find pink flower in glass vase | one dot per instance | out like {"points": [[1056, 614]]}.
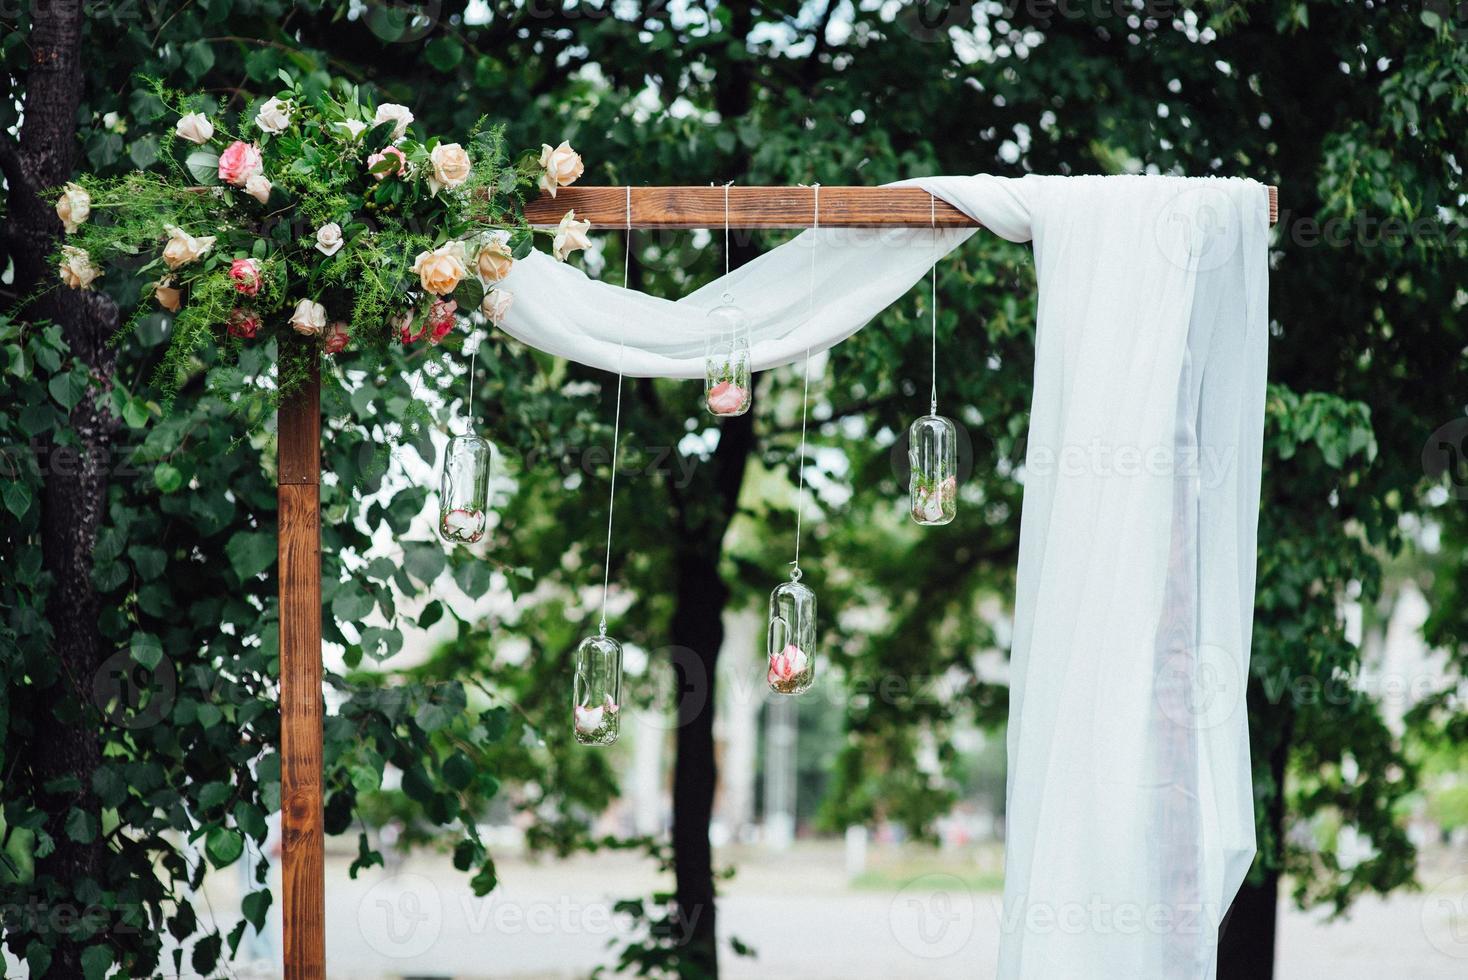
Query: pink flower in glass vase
{"points": [[787, 665], [441, 319], [726, 397], [389, 162], [245, 275], [462, 525], [336, 338], [239, 162], [243, 323], [590, 720]]}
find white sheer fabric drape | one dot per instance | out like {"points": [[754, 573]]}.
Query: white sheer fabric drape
{"points": [[1130, 812]]}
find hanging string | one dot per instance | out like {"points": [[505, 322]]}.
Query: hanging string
{"points": [[606, 575], [726, 227], [933, 217], [469, 396], [810, 308]]}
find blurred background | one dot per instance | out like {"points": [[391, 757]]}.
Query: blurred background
{"points": [[858, 830]]}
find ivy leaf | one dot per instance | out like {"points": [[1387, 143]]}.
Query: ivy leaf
{"points": [[203, 165], [250, 552], [38, 957], [458, 772], [146, 650], [206, 953], [67, 389], [483, 883], [213, 794], [249, 819], [474, 578], [424, 561], [167, 477], [351, 604], [81, 826], [469, 294], [444, 53], [95, 961], [17, 498], [254, 907], [378, 136], [224, 847]]}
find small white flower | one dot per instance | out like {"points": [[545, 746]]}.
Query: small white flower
{"points": [[496, 304], [354, 127], [329, 239], [309, 318], [74, 206], [195, 127], [392, 112], [258, 187], [274, 116]]}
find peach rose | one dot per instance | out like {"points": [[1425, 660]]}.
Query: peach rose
{"points": [[195, 127], [496, 304], [258, 188], [561, 166], [183, 248], [451, 167], [74, 207], [76, 268], [309, 318], [167, 295], [571, 236], [440, 270], [495, 258], [239, 162]]}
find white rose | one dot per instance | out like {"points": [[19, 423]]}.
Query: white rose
{"points": [[354, 127], [74, 207], [570, 236], [195, 127], [441, 270], [392, 112], [451, 167], [496, 304], [76, 268], [274, 116], [258, 188], [495, 258], [183, 248], [309, 318], [329, 239], [561, 166]]}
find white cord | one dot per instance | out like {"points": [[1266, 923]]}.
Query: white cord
{"points": [[469, 399], [810, 308], [616, 425], [726, 227], [933, 397]]}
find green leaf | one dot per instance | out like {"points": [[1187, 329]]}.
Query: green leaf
{"points": [[213, 794], [206, 953], [135, 413], [469, 294], [167, 477], [250, 553], [38, 957], [203, 165], [17, 498], [458, 771], [147, 650], [378, 136], [95, 961], [444, 53], [81, 826], [474, 578], [254, 907], [68, 389], [483, 883], [351, 604], [424, 561], [224, 846]]}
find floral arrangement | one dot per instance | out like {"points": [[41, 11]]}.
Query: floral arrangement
{"points": [[934, 501], [598, 724], [789, 671], [314, 214]]}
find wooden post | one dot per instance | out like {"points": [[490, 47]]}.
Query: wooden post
{"points": [[303, 873]]}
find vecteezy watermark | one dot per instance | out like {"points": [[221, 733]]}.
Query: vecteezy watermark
{"points": [[1446, 454], [633, 461], [401, 916], [1445, 916], [1201, 687], [133, 696], [1100, 916], [680, 685], [1211, 465], [932, 916], [1199, 228]]}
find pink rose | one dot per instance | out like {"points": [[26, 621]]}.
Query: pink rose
{"points": [[726, 398], [406, 334], [397, 162], [441, 319], [337, 338], [243, 323], [239, 162], [787, 665], [246, 276]]}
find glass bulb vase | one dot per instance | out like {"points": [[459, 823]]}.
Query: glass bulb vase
{"points": [[596, 708], [932, 454], [791, 638], [463, 492]]}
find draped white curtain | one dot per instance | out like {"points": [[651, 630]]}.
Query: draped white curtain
{"points": [[1130, 811]]}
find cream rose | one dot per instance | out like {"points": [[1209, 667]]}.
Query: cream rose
{"points": [[571, 236], [183, 248], [195, 127], [398, 114], [562, 165], [259, 187], [450, 167], [167, 294], [74, 207], [354, 127], [495, 258], [76, 268], [329, 239], [274, 116], [496, 304], [440, 270], [309, 318]]}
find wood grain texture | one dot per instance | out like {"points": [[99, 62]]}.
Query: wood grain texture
{"points": [[303, 891], [759, 207]]}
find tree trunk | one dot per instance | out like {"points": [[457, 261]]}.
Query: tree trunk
{"points": [[75, 494], [1247, 941]]}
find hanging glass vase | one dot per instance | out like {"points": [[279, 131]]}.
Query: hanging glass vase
{"points": [[596, 713], [463, 493], [791, 640], [932, 453], [726, 386]]}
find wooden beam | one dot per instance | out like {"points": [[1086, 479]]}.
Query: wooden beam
{"points": [[759, 207], [303, 865]]}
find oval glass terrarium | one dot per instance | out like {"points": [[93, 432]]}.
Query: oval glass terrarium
{"points": [[932, 452], [463, 493], [596, 711], [726, 387], [791, 641]]}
